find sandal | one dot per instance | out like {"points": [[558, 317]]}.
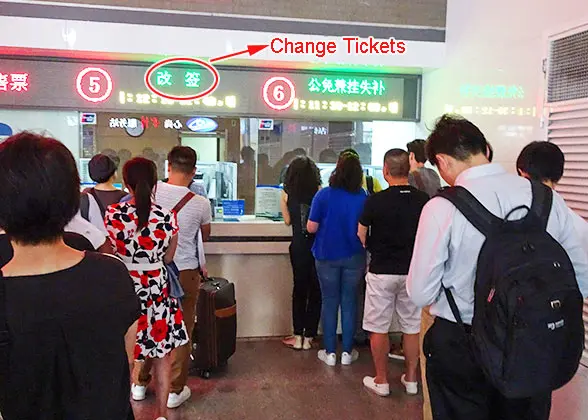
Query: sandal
{"points": [[289, 341]]}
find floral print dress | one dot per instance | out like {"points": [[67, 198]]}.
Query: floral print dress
{"points": [[161, 326]]}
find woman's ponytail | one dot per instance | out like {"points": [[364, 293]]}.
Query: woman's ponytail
{"points": [[143, 193], [140, 175]]}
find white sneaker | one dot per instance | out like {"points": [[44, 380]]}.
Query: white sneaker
{"points": [[138, 392], [412, 388], [347, 359], [175, 400], [160, 418], [297, 342], [329, 358], [383, 390], [307, 343]]}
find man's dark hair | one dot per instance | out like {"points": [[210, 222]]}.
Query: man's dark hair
{"points": [[542, 161], [39, 186], [418, 148], [182, 159], [348, 174], [396, 162], [457, 137], [302, 180], [101, 168]]}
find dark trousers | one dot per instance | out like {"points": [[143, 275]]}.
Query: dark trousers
{"points": [[459, 390], [306, 296]]}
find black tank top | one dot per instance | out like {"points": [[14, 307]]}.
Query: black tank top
{"points": [[299, 212]]}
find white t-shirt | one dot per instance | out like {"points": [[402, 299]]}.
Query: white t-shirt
{"points": [[193, 215], [81, 226]]}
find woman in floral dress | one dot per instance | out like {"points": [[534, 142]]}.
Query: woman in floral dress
{"points": [[144, 236]]}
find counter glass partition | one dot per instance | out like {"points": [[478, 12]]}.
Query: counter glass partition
{"points": [[239, 155]]}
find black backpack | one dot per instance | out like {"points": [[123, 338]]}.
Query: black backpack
{"points": [[527, 332]]}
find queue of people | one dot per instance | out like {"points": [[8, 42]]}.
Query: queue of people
{"points": [[80, 350], [84, 350], [421, 252]]}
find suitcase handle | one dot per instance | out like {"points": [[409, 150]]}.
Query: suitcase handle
{"points": [[212, 281], [226, 312]]}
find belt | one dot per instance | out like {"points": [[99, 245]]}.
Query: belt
{"points": [[144, 266]]}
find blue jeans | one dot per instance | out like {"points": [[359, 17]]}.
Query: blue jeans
{"points": [[339, 280]]}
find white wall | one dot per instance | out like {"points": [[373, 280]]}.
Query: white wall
{"points": [[62, 125], [167, 41], [498, 42], [388, 135]]}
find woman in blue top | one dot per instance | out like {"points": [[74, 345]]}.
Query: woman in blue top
{"points": [[339, 255]]}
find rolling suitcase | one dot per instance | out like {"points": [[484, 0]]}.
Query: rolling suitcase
{"points": [[215, 331]]}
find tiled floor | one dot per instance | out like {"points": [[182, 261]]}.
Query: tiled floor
{"points": [[266, 381]]}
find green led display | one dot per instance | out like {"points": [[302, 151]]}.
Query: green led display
{"points": [[345, 86], [191, 78], [492, 91]]}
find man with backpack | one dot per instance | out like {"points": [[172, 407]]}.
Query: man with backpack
{"points": [[497, 258]]}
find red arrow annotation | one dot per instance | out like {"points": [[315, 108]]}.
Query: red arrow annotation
{"points": [[251, 49]]}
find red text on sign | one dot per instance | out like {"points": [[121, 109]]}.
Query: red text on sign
{"points": [[356, 45], [349, 44], [319, 48]]}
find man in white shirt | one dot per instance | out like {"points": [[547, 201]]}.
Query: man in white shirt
{"points": [[445, 254], [544, 161], [194, 217]]}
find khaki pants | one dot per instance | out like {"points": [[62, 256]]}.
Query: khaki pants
{"points": [[190, 280], [426, 322]]}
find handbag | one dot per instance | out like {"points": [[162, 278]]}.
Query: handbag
{"points": [[173, 273], [173, 279]]}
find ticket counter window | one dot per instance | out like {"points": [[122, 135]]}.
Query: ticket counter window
{"points": [[235, 155]]}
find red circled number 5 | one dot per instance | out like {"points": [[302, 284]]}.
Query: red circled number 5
{"points": [[94, 84]]}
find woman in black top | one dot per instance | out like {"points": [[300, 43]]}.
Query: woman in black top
{"points": [[66, 312], [302, 182]]}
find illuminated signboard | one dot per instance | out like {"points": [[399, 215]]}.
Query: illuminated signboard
{"points": [[261, 93]]}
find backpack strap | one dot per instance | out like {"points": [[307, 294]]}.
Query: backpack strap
{"points": [[471, 208], [100, 205], [542, 202], [454, 308], [369, 181], [189, 195], [85, 206]]}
